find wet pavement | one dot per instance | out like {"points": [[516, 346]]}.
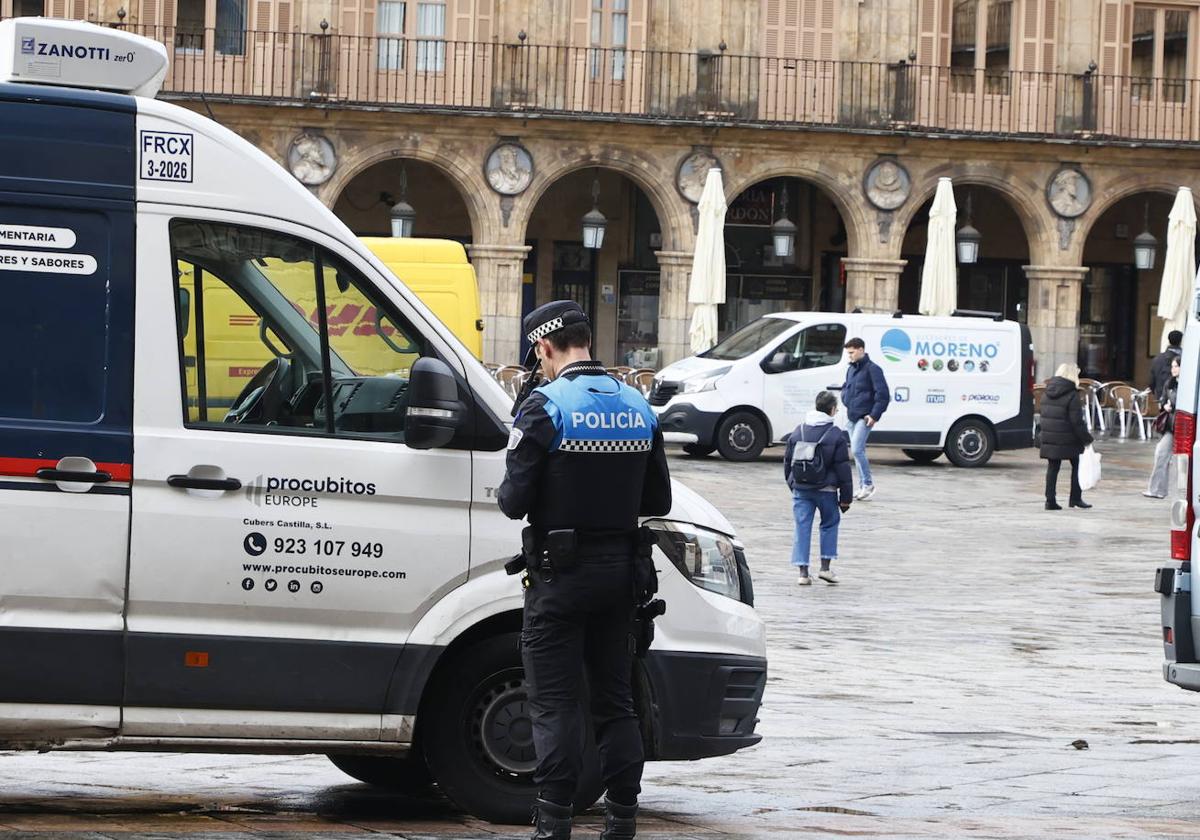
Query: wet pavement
{"points": [[985, 668]]}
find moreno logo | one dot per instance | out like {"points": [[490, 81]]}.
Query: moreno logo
{"points": [[896, 345]]}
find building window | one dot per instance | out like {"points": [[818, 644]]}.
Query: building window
{"points": [[1158, 59], [609, 36], [431, 34], [229, 31], [981, 45], [29, 8], [390, 22]]}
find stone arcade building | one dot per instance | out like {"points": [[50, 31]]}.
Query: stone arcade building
{"points": [[1066, 126]]}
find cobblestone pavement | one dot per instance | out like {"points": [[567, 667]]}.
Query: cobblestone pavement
{"points": [[935, 692]]}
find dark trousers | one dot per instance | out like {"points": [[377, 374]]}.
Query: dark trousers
{"points": [[1052, 467], [583, 620]]}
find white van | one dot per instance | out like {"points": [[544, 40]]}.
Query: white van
{"points": [[317, 568], [962, 385]]}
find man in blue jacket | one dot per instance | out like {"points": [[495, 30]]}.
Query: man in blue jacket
{"points": [[866, 396]]}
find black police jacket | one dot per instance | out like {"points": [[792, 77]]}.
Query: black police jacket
{"points": [[586, 453]]}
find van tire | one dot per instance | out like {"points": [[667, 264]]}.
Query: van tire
{"points": [[741, 436], [923, 456], [970, 443], [405, 774], [698, 450], [486, 679]]}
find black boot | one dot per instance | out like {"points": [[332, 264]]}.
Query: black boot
{"points": [[1079, 503], [551, 822], [1052, 505], [620, 821]]}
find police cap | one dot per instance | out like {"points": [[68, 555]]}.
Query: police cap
{"points": [[552, 317]]}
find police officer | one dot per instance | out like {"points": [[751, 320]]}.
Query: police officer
{"points": [[585, 459]]}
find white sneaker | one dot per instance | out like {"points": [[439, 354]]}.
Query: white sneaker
{"points": [[1150, 495], [865, 492], [828, 576], [804, 580]]}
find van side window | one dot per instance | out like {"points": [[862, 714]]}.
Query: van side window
{"points": [[270, 326], [816, 346]]}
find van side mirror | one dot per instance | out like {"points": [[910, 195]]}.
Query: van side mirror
{"points": [[780, 362], [434, 410]]}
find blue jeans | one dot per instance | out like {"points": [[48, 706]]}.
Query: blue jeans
{"points": [[858, 447], [805, 504]]}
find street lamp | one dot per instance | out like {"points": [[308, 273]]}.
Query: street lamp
{"points": [[967, 239], [402, 214], [1145, 246], [594, 221], [783, 231]]}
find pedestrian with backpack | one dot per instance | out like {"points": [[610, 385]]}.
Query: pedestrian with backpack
{"points": [[816, 465]]}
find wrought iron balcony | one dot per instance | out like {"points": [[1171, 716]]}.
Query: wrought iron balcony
{"points": [[674, 87]]}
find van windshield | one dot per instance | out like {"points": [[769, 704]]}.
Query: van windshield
{"points": [[753, 336]]}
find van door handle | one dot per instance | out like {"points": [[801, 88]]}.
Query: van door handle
{"points": [[188, 482], [52, 474]]}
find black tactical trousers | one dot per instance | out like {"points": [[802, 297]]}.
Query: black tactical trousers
{"points": [[574, 621]]}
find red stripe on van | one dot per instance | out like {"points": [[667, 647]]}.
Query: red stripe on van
{"points": [[28, 467]]}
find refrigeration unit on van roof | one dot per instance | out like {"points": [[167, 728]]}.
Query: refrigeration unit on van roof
{"points": [[70, 53]]}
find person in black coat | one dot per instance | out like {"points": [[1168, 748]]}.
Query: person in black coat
{"points": [[1064, 434], [830, 495], [1160, 368], [1160, 477]]}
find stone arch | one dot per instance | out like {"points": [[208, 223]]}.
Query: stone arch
{"points": [[457, 170], [854, 213], [1112, 195], [1028, 203], [674, 214]]}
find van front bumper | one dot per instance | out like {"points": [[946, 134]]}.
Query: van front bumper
{"points": [[684, 423], [702, 704]]}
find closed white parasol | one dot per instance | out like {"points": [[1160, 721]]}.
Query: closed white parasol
{"points": [[707, 287], [1179, 267], [939, 275]]}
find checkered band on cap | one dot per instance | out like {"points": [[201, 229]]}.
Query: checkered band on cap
{"points": [[606, 446], [545, 329]]}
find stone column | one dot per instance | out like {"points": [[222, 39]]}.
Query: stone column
{"points": [[674, 314], [1054, 293], [499, 269], [872, 285]]}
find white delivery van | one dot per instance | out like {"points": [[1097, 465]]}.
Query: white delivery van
{"points": [[962, 385], [318, 567]]}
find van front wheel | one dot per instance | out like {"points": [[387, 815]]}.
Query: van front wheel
{"points": [[698, 450], [741, 437], [405, 774], [970, 443], [478, 736]]}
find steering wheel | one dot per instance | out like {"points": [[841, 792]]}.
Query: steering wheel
{"points": [[263, 395]]}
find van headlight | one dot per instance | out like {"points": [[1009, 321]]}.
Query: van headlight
{"points": [[706, 381], [707, 558]]}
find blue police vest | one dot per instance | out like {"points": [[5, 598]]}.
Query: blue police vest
{"points": [[595, 413]]}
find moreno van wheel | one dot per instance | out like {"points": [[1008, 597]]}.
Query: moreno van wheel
{"points": [[970, 443], [399, 773], [698, 450], [478, 736], [923, 456], [741, 437]]}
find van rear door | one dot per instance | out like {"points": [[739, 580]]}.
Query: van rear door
{"points": [[67, 245]]}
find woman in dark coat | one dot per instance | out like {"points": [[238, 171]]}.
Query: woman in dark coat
{"points": [[1064, 434]]}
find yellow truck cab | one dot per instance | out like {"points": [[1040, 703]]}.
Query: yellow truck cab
{"points": [[438, 272]]}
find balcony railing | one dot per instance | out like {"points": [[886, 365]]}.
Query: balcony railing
{"points": [[427, 74]]}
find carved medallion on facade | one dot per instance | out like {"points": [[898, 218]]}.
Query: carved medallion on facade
{"points": [[311, 159], [1069, 192], [887, 184], [508, 168], [693, 170]]}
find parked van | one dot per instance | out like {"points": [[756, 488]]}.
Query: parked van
{"points": [[318, 566], [1180, 612], [960, 385]]}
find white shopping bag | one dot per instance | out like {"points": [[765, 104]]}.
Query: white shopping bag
{"points": [[1089, 469]]}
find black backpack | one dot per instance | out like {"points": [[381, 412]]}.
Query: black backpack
{"points": [[808, 461]]}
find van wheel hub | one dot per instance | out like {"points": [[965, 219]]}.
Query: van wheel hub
{"points": [[502, 729], [970, 443], [741, 437]]}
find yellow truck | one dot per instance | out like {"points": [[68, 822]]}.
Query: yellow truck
{"points": [[237, 345]]}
